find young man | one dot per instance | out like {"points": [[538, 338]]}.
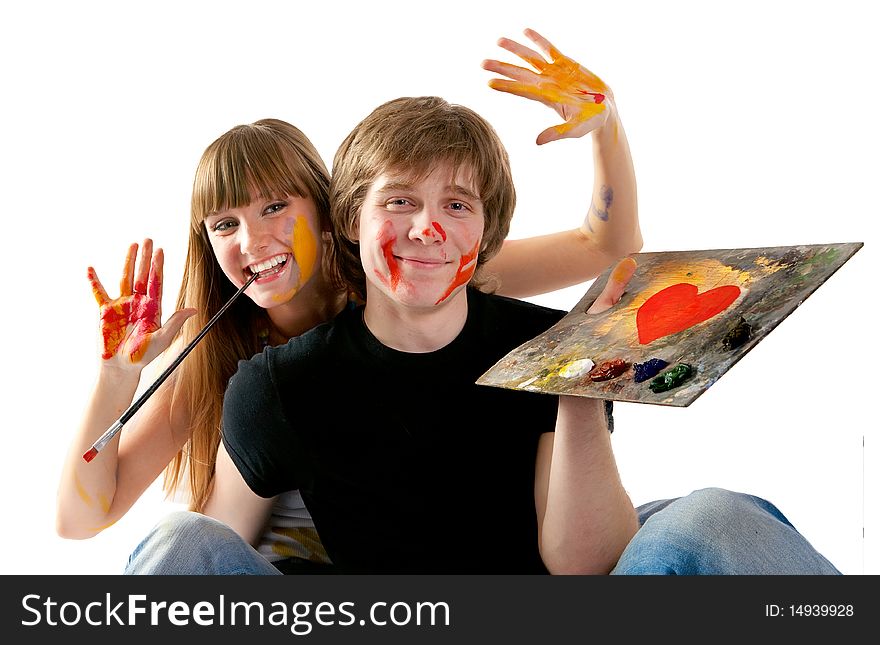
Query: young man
{"points": [[404, 463]]}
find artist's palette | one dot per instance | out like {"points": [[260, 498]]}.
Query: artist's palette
{"points": [[685, 319]]}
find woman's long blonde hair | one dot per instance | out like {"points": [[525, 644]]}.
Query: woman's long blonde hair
{"points": [[265, 158]]}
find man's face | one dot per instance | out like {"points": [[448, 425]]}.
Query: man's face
{"points": [[419, 239]]}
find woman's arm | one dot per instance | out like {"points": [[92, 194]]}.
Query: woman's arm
{"points": [[93, 495], [610, 227]]}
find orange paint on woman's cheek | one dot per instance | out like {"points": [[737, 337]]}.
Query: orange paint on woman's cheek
{"points": [[304, 246], [466, 267]]}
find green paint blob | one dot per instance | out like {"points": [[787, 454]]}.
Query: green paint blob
{"points": [[671, 379]]}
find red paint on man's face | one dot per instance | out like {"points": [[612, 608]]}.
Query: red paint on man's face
{"points": [[387, 238], [430, 232], [466, 267]]}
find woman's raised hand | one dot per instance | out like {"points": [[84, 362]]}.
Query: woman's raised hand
{"points": [[131, 324], [574, 92]]}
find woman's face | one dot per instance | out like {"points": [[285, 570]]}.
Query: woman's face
{"points": [[278, 237]]}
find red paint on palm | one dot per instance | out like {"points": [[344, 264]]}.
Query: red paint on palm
{"points": [[128, 321]]}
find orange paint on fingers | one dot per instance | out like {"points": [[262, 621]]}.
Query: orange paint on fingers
{"points": [[97, 288], [624, 270], [533, 58], [128, 271], [517, 88]]}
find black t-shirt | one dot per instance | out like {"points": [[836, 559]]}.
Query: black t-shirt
{"points": [[403, 462]]}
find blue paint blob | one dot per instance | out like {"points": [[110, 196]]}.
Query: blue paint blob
{"points": [[651, 367]]}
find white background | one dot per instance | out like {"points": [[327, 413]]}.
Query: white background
{"points": [[751, 125]]}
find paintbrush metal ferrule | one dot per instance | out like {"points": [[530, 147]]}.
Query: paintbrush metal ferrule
{"points": [[103, 441], [113, 430]]}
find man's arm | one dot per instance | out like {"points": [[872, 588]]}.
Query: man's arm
{"points": [[585, 517]]}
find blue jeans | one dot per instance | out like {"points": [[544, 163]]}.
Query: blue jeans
{"points": [[714, 531], [709, 532]]}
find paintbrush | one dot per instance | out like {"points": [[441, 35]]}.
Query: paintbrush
{"points": [[105, 438]]}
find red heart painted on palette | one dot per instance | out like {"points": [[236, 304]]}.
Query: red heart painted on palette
{"points": [[679, 307]]}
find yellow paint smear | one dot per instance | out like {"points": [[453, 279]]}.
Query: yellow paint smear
{"points": [[308, 540], [105, 526], [769, 266], [81, 491], [705, 274], [624, 270]]}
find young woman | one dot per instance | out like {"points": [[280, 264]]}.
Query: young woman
{"points": [[260, 204]]}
